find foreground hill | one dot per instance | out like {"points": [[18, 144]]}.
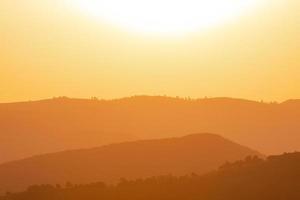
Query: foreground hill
{"points": [[197, 153], [32, 128], [277, 178]]}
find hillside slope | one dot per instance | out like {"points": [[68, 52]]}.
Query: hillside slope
{"points": [[39, 127], [276, 178], [197, 153]]}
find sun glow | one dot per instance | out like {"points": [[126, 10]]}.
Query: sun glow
{"points": [[166, 16]]}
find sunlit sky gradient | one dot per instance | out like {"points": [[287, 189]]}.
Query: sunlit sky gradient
{"points": [[166, 17], [51, 49]]}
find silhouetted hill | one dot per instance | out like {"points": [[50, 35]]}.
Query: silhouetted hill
{"points": [[197, 153], [276, 178], [46, 126]]}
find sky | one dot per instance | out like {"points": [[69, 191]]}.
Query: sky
{"points": [[49, 48]]}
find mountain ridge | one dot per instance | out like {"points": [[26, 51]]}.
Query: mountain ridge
{"points": [[193, 136], [199, 153], [46, 126], [278, 179], [137, 97]]}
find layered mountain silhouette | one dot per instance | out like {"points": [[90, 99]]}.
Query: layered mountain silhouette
{"points": [[198, 153], [46, 126], [276, 178]]}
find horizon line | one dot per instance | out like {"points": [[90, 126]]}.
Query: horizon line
{"points": [[184, 98]]}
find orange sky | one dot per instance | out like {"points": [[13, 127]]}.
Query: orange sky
{"points": [[48, 49]]}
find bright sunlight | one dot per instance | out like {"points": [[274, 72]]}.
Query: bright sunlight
{"points": [[166, 16]]}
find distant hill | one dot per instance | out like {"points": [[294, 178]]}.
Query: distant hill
{"points": [[276, 178], [197, 153], [46, 126]]}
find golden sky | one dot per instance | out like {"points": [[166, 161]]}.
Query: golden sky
{"points": [[51, 49]]}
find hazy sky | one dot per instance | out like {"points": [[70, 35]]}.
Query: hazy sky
{"points": [[50, 49]]}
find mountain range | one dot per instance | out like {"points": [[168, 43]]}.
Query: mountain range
{"points": [[273, 178], [39, 127], [198, 153]]}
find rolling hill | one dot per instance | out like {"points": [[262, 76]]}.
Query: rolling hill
{"points": [[38, 127], [276, 178], [198, 153]]}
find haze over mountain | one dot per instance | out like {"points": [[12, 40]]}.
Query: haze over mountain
{"points": [[46, 126], [70, 128], [198, 153], [276, 178]]}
